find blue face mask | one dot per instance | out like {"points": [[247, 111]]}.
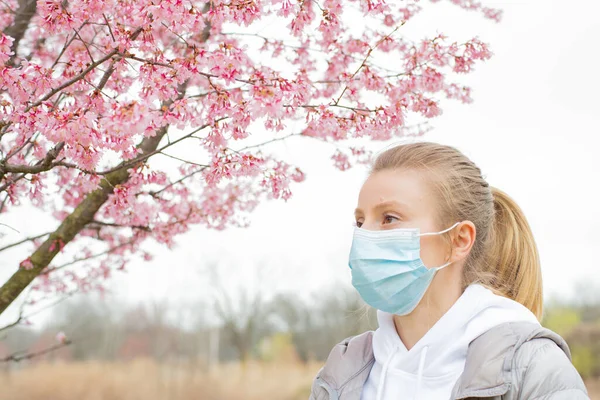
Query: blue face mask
{"points": [[387, 270]]}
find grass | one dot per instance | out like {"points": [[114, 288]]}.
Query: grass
{"points": [[144, 379], [148, 380]]}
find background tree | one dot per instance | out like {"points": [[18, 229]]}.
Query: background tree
{"points": [[317, 325], [241, 309], [97, 97]]}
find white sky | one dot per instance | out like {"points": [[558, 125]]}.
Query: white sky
{"points": [[533, 130]]}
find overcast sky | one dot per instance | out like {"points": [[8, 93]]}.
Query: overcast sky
{"points": [[533, 130]]}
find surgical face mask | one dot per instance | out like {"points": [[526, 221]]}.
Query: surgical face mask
{"points": [[387, 270]]}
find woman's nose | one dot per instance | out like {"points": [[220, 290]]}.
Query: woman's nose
{"points": [[370, 225]]}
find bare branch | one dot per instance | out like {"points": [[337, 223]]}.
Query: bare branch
{"points": [[27, 356], [8, 226], [157, 192], [29, 239], [48, 271], [39, 310], [107, 74], [268, 141], [85, 44], [109, 29], [182, 160], [141, 227], [176, 34], [146, 61]]}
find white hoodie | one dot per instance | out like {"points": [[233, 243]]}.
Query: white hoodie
{"points": [[429, 370]]}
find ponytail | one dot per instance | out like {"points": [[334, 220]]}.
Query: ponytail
{"points": [[513, 256]]}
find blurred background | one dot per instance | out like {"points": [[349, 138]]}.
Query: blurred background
{"points": [[252, 313]]}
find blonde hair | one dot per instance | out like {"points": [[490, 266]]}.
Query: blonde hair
{"points": [[504, 256]]}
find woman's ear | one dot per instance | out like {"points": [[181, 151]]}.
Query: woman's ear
{"points": [[463, 239]]}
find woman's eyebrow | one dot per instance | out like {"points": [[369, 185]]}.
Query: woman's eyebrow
{"points": [[385, 204], [390, 203]]}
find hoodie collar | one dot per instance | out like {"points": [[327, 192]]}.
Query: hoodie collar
{"points": [[437, 339]]}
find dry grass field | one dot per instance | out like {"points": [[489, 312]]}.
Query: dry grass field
{"points": [[144, 379]]}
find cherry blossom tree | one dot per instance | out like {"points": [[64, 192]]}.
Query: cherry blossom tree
{"points": [[95, 93]]}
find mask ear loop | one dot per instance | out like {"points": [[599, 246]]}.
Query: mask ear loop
{"points": [[437, 233], [440, 232]]}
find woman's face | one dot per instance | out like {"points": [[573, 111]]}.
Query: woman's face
{"points": [[391, 199]]}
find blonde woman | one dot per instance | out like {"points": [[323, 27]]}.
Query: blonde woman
{"points": [[452, 268]]}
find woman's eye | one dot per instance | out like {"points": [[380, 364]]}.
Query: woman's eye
{"points": [[389, 219], [358, 224]]}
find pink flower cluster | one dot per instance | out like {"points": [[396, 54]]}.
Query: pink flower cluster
{"points": [[95, 78]]}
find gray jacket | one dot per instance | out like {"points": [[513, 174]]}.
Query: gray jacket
{"points": [[512, 361]]}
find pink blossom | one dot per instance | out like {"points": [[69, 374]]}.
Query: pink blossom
{"points": [[298, 175], [462, 93], [431, 80], [57, 243], [493, 14], [286, 8], [388, 20], [341, 161], [7, 14], [462, 64], [409, 11], [426, 106], [26, 264], [55, 15], [5, 48], [303, 18], [61, 337], [477, 50]]}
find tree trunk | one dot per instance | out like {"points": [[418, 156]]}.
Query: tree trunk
{"points": [[70, 227]]}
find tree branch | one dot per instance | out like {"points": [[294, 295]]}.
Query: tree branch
{"points": [[85, 44], [182, 160], [157, 192], [23, 241], [41, 165], [26, 317], [48, 271], [27, 356], [109, 29], [25, 12]]}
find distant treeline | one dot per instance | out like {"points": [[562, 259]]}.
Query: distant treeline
{"points": [[246, 327]]}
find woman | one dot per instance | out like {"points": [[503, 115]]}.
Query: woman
{"points": [[459, 304]]}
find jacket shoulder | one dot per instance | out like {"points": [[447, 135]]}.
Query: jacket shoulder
{"points": [[513, 360], [346, 369], [544, 370]]}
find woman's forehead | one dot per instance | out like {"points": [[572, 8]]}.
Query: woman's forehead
{"points": [[405, 187]]}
